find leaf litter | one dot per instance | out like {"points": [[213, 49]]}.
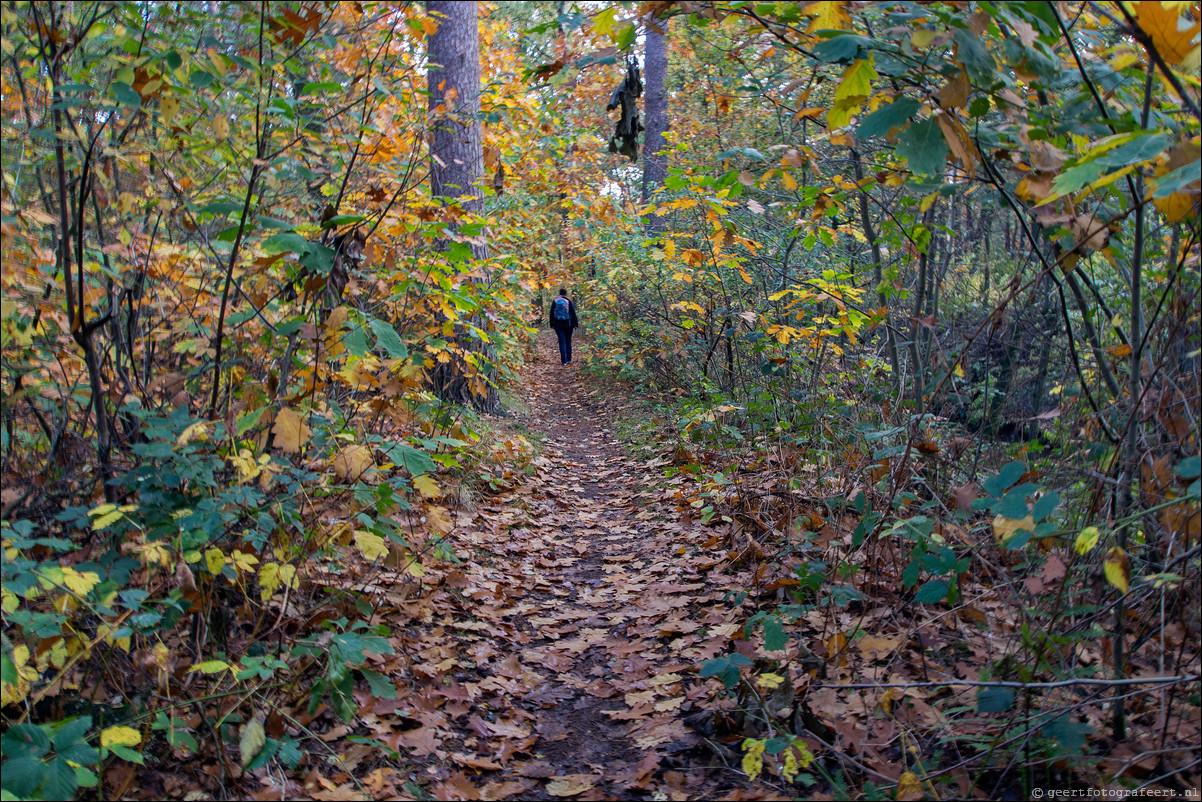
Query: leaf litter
{"points": [[556, 655]]}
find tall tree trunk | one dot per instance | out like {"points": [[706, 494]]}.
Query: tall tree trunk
{"points": [[655, 163], [456, 162]]}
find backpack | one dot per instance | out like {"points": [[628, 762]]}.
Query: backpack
{"points": [[560, 311]]}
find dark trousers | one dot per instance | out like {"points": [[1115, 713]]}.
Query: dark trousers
{"points": [[565, 345]]}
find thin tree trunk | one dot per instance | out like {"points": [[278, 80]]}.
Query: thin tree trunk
{"points": [[655, 163], [877, 274]]}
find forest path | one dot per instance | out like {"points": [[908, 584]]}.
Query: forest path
{"points": [[563, 647]]}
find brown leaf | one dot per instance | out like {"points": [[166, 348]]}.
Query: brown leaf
{"points": [[571, 784], [351, 462], [290, 431], [955, 92]]}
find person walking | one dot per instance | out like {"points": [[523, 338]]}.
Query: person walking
{"points": [[563, 320]]}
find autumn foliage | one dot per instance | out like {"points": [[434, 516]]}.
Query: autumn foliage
{"points": [[881, 477]]}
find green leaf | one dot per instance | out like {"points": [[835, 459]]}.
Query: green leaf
{"points": [[221, 208], [286, 242], [1014, 505], [994, 699], [343, 220], [387, 339], [24, 740], [1045, 505], [21, 776], [289, 753], [126, 753], [932, 591], [625, 37], [844, 47], [70, 731], [1011, 473], [414, 460], [126, 95], [381, 686], [775, 637], [1190, 467], [975, 57], [59, 780], [881, 121], [318, 259], [1068, 733], [923, 147]]}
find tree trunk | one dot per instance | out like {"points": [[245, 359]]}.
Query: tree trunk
{"points": [[456, 162], [877, 275], [655, 163]]}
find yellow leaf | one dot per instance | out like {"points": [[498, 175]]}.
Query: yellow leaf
{"points": [[120, 736], [921, 38], [909, 787], [253, 739], [1087, 539], [426, 485], [244, 562], [1005, 528], [210, 667], [168, 109], [214, 560], [197, 431], [288, 575], [290, 431], [769, 681], [371, 546], [753, 757], [269, 580], [105, 515], [1118, 569], [857, 80], [221, 126], [828, 16], [126, 202], [1163, 24], [80, 583], [603, 23], [352, 462], [788, 180], [429, 26]]}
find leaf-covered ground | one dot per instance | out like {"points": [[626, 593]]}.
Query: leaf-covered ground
{"points": [[557, 657]]}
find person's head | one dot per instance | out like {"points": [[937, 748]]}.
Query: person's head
{"points": [[563, 291]]}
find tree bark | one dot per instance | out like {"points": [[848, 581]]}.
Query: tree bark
{"points": [[655, 162], [456, 162]]}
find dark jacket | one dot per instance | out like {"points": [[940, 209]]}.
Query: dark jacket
{"points": [[560, 324]]}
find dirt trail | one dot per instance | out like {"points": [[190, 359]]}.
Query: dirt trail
{"points": [[561, 651]]}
